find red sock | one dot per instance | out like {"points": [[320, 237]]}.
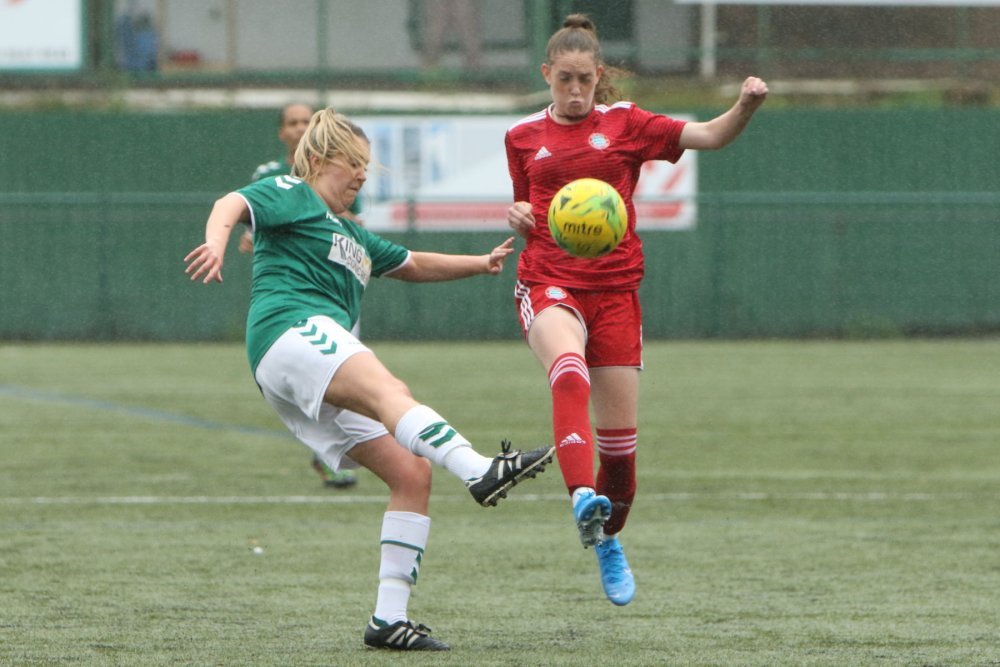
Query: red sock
{"points": [[616, 476], [570, 382]]}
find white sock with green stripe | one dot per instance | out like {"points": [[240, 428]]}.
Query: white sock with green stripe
{"points": [[404, 538], [426, 433]]}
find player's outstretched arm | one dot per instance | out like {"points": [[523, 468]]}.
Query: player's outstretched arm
{"points": [[206, 260], [722, 130], [424, 267]]}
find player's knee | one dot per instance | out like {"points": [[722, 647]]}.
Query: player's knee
{"points": [[411, 481], [403, 389], [418, 481], [393, 388]]}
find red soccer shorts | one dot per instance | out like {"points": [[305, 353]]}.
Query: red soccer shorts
{"points": [[611, 320]]}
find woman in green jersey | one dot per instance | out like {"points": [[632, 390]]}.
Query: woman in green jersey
{"points": [[292, 124], [310, 268]]}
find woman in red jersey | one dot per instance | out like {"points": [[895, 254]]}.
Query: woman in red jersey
{"points": [[591, 347]]}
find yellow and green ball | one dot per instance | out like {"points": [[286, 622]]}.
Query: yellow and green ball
{"points": [[587, 218]]}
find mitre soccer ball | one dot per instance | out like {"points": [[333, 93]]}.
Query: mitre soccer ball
{"points": [[587, 218]]}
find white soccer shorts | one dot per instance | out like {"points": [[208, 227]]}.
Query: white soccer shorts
{"points": [[293, 376]]}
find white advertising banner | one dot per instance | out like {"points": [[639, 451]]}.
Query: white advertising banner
{"points": [[450, 173], [41, 34]]}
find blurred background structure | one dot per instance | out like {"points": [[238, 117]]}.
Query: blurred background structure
{"points": [[863, 200], [381, 43]]}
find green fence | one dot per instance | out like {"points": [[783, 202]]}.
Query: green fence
{"points": [[812, 224]]}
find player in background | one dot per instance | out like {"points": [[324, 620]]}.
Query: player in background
{"points": [[292, 123], [310, 271], [581, 317]]}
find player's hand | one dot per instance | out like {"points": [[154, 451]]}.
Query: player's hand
{"points": [[753, 92], [498, 255], [520, 219], [205, 260], [246, 243]]}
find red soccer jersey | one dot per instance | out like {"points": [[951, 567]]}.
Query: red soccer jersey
{"points": [[611, 144]]}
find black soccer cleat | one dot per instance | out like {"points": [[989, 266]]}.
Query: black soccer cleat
{"points": [[402, 636], [508, 468]]}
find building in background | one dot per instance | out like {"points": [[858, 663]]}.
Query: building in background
{"points": [[381, 42]]}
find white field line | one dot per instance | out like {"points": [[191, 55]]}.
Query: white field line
{"points": [[353, 499]]}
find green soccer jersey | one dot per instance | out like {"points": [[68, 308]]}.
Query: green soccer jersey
{"points": [[280, 167], [306, 261]]}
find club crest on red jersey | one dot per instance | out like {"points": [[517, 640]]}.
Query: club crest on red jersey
{"points": [[555, 293], [599, 141]]}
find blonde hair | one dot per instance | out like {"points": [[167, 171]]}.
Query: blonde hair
{"points": [[580, 34], [330, 135]]}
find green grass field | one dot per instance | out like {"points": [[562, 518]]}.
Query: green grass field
{"points": [[800, 503]]}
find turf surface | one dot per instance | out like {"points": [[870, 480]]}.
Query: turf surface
{"points": [[800, 503]]}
